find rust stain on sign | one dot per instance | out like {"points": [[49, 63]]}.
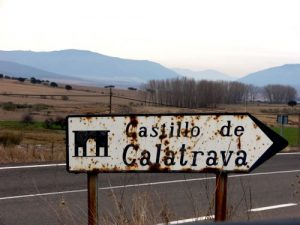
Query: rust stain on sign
{"points": [[166, 143]]}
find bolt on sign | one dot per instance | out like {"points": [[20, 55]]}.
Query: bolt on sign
{"points": [[169, 143]]}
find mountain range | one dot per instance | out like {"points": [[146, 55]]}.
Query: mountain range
{"points": [[288, 74], [204, 74], [90, 68]]}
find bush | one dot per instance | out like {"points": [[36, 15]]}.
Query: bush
{"points": [[61, 121], [49, 123], [58, 123], [27, 118], [292, 103], [21, 79], [39, 107], [53, 84], [11, 138], [33, 80], [64, 97], [9, 106], [68, 87]]}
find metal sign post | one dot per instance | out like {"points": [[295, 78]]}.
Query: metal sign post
{"points": [[92, 184], [219, 143], [221, 197], [282, 119]]}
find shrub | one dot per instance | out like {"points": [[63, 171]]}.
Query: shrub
{"points": [[27, 118], [292, 103], [9, 106], [11, 138], [68, 87], [39, 107], [49, 123], [23, 106], [61, 121], [33, 80], [64, 97], [53, 84], [58, 123], [21, 79]]}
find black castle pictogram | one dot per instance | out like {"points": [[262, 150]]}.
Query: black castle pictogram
{"points": [[100, 137]]}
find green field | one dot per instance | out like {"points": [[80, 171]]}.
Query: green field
{"points": [[21, 125], [291, 134], [17, 125]]}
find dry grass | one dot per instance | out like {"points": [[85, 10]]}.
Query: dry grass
{"points": [[56, 106], [32, 153], [59, 106]]}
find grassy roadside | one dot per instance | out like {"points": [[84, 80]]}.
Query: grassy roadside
{"points": [[291, 134], [35, 141], [30, 142], [21, 125]]}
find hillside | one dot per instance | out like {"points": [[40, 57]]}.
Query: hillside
{"points": [[19, 70], [204, 74], [90, 66], [288, 74]]}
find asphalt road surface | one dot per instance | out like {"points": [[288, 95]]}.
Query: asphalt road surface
{"points": [[47, 194]]}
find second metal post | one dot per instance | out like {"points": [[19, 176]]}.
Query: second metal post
{"points": [[92, 198], [221, 196]]}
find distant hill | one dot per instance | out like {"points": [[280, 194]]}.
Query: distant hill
{"points": [[90, 66], [204, 74], [19, 70], [288, 74]]}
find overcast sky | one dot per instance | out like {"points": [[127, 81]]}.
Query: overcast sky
{"points": [[233, 36]]}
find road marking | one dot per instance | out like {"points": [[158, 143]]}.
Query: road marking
{"points": [[31, 166], [43, 194], [264, 173], [144, 184], [64, 164], [190, 220], [212, 216], [289, 153], [272, 207]]}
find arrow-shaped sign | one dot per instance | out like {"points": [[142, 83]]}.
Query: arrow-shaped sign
{"points": [[169, 143]]}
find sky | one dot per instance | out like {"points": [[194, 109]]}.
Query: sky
{"points": [[236, 37]]}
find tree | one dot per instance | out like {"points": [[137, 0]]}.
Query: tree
{"points": [[68, 87], [27, 118], [33, 80], [187, 92], [53, 84], [292, 103], [132, 89], [277, 93], [21, 79]]}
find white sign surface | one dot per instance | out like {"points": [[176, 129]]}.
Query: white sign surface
{"points": [[166, 143]]}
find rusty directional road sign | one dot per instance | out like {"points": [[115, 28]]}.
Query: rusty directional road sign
{"points": [[236, 142]]}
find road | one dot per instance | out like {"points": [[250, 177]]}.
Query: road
{"points": [[35, 194]]}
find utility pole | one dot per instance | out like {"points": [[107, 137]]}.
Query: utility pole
{"points": [[110, 96]]}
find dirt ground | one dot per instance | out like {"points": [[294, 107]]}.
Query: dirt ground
{"points": [[94, 100]]}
